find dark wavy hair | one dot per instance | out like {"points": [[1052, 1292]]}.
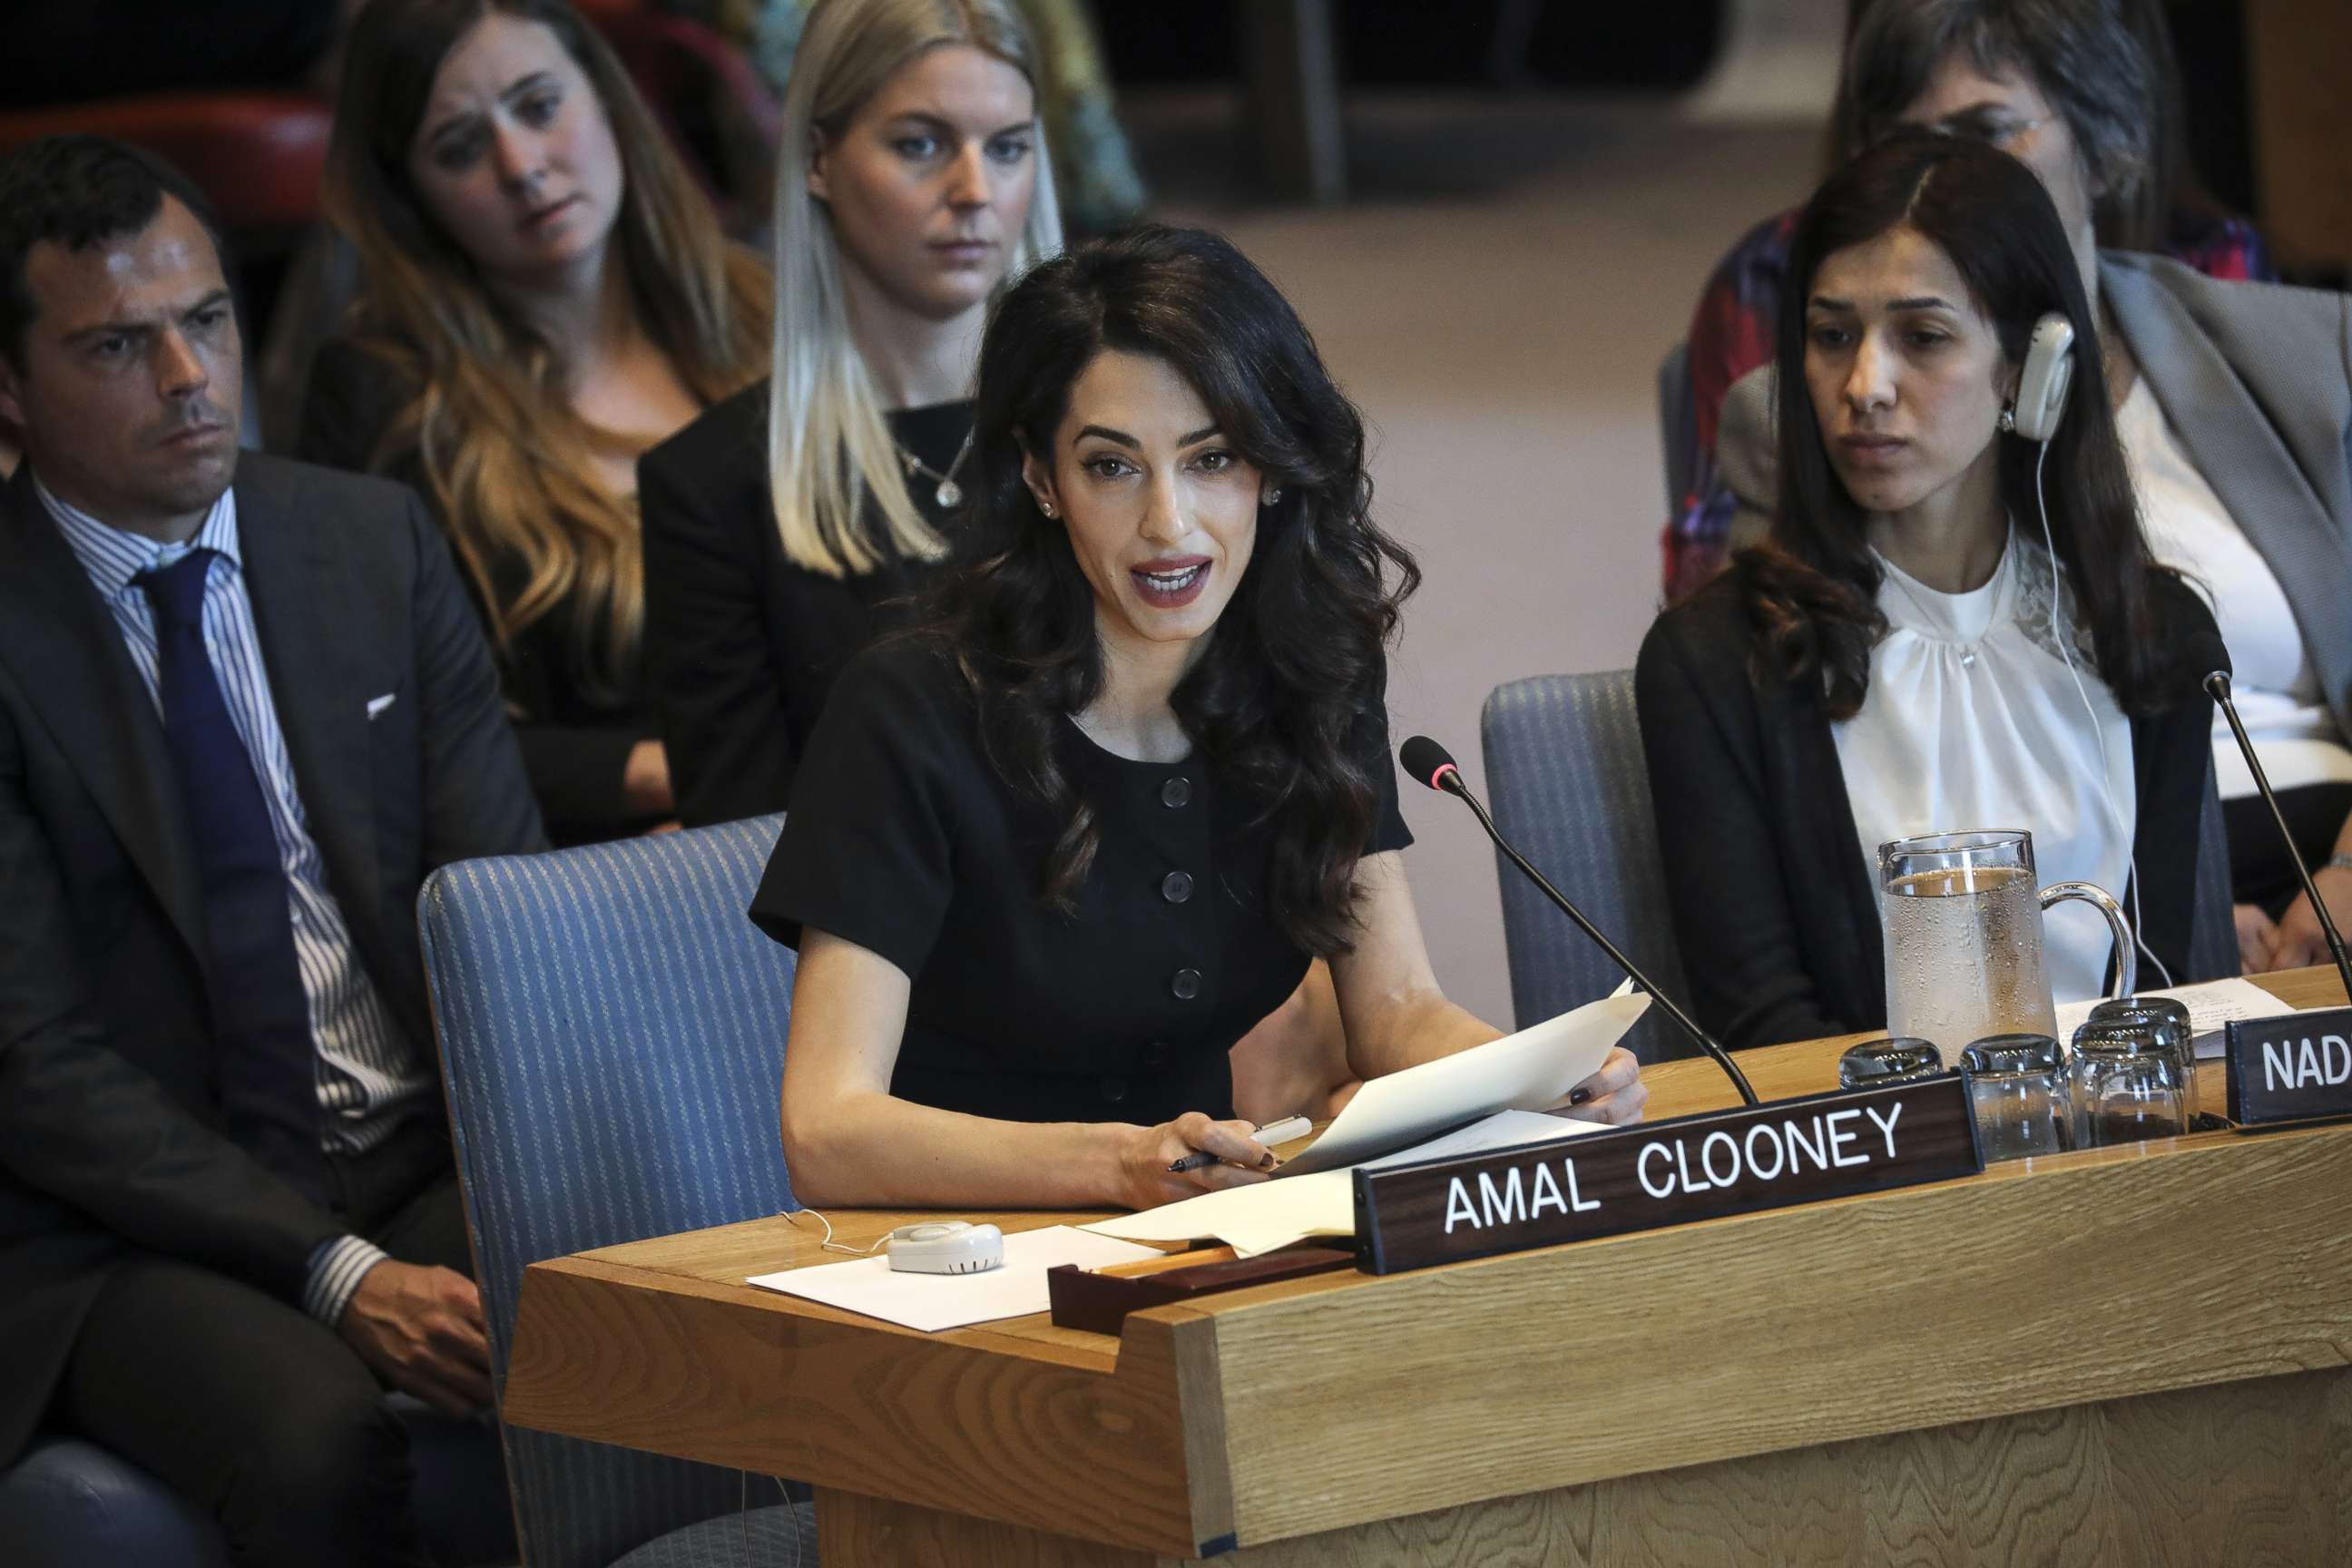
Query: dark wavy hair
{"points": [[1296, 662], [1812, 589]]}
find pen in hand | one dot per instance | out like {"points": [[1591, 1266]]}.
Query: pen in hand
{"points": [[1280, 1130]]}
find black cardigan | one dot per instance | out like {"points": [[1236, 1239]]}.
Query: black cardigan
{"points": [[742, 646], [1776, 913], [575, 744]]}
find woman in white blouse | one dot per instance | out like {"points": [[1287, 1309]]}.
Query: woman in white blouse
{"points": [[1913, 649], [2233, 402]]}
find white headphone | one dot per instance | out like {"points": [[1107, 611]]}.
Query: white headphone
{"points": [[2042, 383]]}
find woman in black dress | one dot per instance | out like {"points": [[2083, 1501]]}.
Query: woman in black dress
{"points": [[783, 526], [1050, 857]]}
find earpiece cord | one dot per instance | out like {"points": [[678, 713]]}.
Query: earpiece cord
{"points": [[792, 1218], [2106, 764]]}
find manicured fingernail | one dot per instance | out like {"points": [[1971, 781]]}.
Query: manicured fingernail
{"points": [[1269, 1162], [1580, 1097]]}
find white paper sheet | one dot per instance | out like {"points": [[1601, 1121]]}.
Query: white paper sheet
{"points": [[1267, 1215], [935, 1301], [1526, 1071], [2211, 1006]]}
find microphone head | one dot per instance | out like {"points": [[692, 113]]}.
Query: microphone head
{"points": [[1426, 762]]}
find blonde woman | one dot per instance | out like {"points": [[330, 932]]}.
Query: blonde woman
{"points": [[546, 294], [781, 525]]}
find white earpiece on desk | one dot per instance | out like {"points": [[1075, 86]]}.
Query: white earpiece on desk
{"points": [[946, 1246]]}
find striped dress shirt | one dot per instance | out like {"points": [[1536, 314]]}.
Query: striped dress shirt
{"points": [[368, 1072]]}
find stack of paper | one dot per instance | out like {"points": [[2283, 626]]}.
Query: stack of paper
{"points": [[1259, 1218], [2211, 1006], [935, 1301], [1481, 1099]]}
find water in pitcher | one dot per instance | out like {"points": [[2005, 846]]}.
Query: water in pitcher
{"points": [[1964, 956]]}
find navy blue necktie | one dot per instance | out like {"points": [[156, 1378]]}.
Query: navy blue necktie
{"points": [[264, 1059]]}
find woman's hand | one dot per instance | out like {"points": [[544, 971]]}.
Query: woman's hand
{"points": [[2300, 939], [1616, 1094], [1146, 1181], [645, 779], [2257, 938]]}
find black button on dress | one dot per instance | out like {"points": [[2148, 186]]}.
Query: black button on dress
{"points": [[904, 839]]}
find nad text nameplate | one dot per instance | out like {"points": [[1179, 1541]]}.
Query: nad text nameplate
{"points": [[2294, 1067]]}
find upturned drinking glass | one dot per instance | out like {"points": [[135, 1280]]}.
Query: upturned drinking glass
{"points": [[2126, 1079], [2169, 1015], [1899, 1060], [2019, 1089]]}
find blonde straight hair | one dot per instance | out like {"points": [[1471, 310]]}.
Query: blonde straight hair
{"points": [[828, 446], [510, 465]]}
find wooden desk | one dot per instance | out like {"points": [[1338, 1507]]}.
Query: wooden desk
{"points": [[2112, 1356]]}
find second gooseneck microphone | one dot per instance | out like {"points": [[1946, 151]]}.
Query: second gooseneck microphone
{"points": [[1429, 763], [2217, 686]]}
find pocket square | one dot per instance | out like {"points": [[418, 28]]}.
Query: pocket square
{"points": [[376, 705]]}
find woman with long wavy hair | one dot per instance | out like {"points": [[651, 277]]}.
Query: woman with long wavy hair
{"points": [[545, 294], [1059, 848], [1920, 646]]}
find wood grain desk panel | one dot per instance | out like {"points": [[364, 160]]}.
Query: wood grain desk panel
{"points": [[2065, 1361]]}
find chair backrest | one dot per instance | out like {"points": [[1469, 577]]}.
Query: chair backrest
{"points": [[1568, 785], [1677, 427], [612, 1031]]}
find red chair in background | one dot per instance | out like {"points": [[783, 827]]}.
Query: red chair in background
{"points": [[258, 156]]}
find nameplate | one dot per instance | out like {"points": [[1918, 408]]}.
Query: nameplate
{"points": [[2294, 1067], [1666, 1172]]}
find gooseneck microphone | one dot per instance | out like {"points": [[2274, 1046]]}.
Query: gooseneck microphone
{"points": [[1429, 763], [2217, 686]]}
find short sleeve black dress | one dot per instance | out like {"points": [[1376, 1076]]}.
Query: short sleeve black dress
{"points": [[903, 838]]}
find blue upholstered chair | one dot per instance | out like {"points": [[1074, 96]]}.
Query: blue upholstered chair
{"points": [[1570, 785], [612, 1031], [70, 1504]]}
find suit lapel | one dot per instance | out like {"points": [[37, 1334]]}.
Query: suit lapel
{"points": [[69, 661], [2236, 447], [298, 596]]}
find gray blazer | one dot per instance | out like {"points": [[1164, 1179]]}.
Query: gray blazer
{"points": [[2256, 379]]}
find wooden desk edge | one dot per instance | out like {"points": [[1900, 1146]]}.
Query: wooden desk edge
{"points": [[1175, 1358]]}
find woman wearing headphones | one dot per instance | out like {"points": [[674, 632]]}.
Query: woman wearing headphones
{"points": [[1916, 646], [2232, 400]]}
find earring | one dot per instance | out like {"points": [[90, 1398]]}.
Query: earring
{"points": [[1271, 497], [2009, 420], [1047, 506]]}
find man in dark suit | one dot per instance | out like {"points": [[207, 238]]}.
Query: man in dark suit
{"points": [[245, 707]]}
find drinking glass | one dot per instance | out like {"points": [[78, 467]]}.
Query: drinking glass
{"points": [[2019, 1091], [1896, 1060], [2126, 1078], [2169, 1016], [1963, 936]]}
